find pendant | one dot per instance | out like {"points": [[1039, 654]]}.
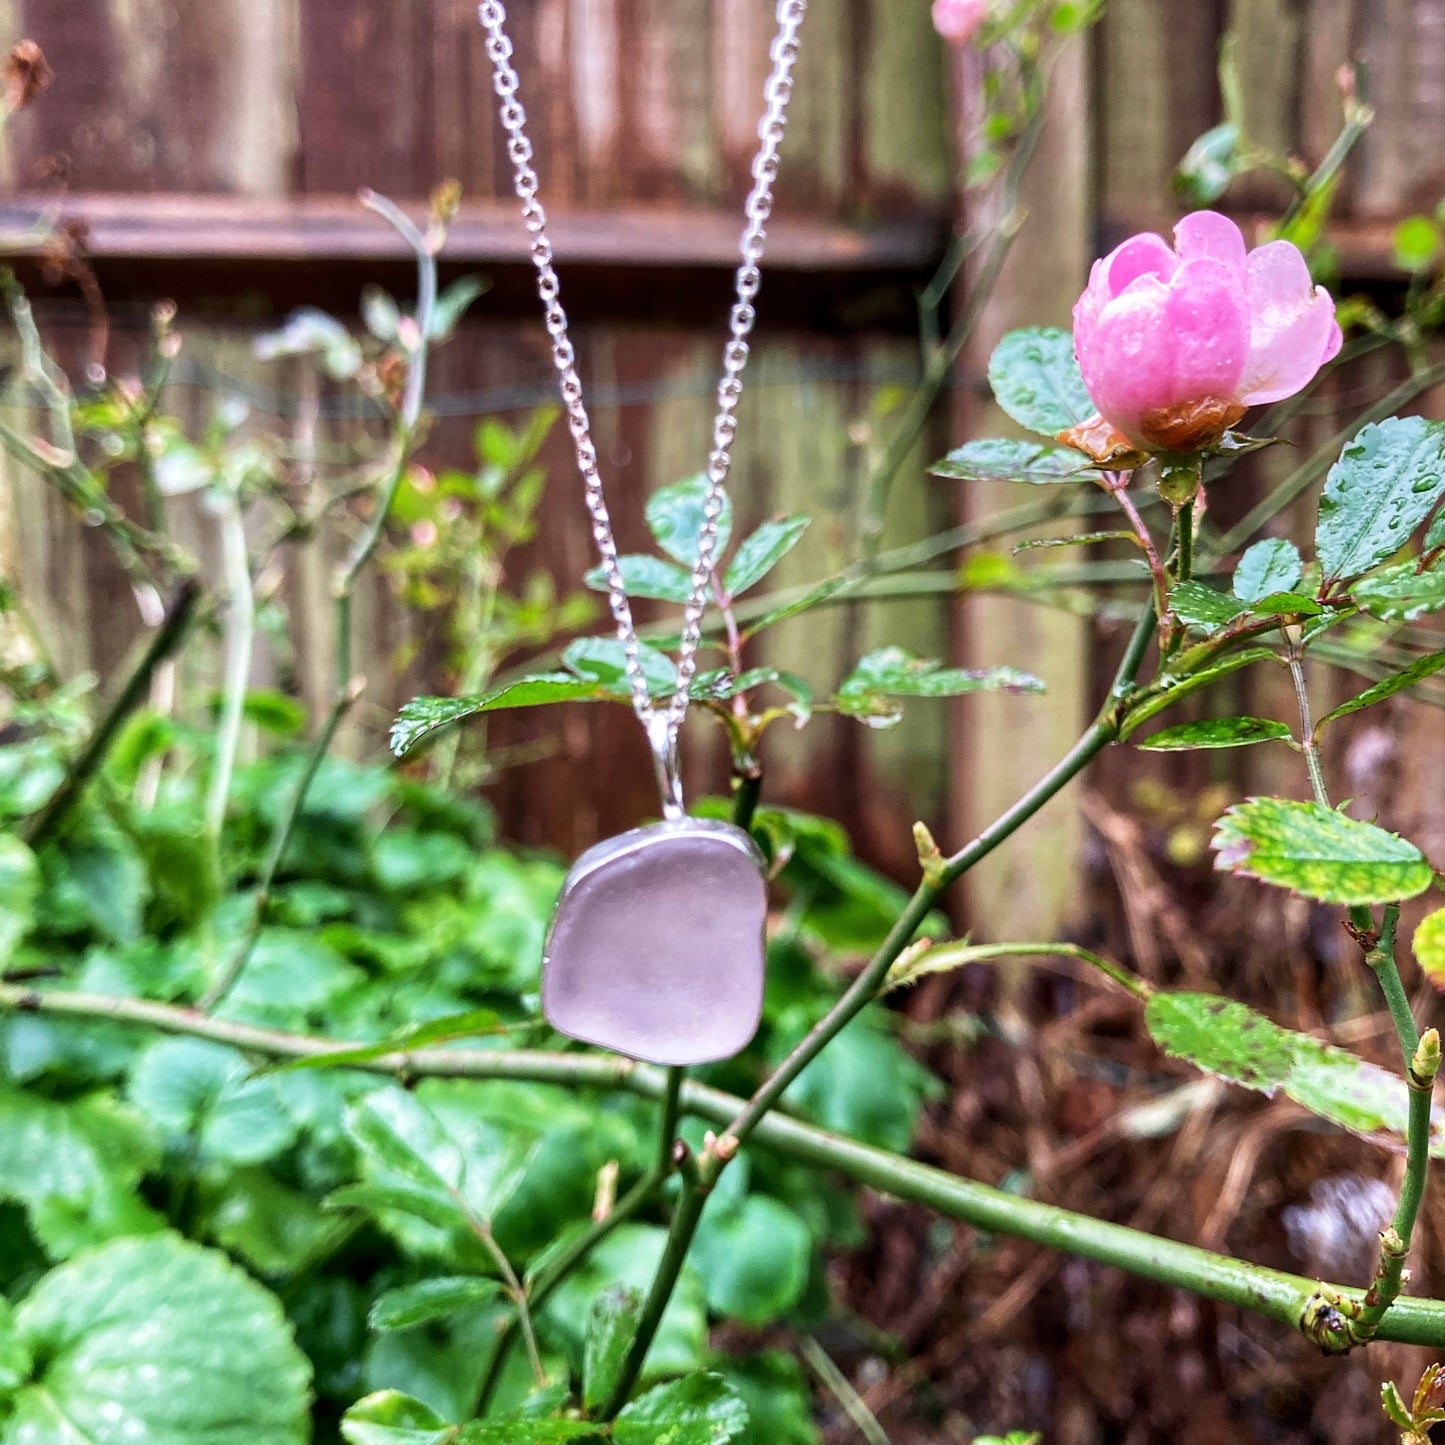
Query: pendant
{"points": [[656, 949]]}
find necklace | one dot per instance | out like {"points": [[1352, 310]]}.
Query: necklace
{"points": [[656, 948]]}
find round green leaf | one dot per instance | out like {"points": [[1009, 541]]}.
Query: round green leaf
{"points": [[602, 660], [1270, 566], [754, 1260], [1318, 852], [19, 888], [1429, 946], [675, 519], [430, 1299], [646, 576], [161, 1341], [1216, 732], [1416, 242], [1036, 380], [390, 1418]]}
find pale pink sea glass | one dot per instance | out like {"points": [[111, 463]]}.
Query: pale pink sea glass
{"points": [[656, 949]]}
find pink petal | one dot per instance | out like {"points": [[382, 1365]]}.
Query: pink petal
{"points": [[1143, 255], [1209, 317], [1128, 366], [1293, 331], [1207, 233]]}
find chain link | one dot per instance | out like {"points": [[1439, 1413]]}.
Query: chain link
{"points": [[777, 92]]}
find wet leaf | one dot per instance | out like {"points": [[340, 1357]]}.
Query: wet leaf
{"points": [[1219, 732], [1270, 566], [430, 1299], [1036, 380], [645, 576], [1386, 482], [675, 519], [1209, 165], [602, 659], [1400, 593], [1387, 687], [1318, 852], [1203, 608], [611, 1327], [390, 1418], [423, 716], [1001, 459], [695, 1410], [1191, 683], [892, 672], [759, 553]]}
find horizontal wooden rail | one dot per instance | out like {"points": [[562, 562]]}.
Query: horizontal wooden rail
{"points": [[320, 228]]}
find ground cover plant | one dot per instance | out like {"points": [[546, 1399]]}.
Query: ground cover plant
{"points": [[277, 1106]]}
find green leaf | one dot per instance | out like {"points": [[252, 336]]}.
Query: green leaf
{"points": [[1400, 593], [695, 1410], [602, 660], [380, 313], [759, 553], [754, 1259], [646, 576], [1429, 947], [813, 597], [1267, 567], [1234, 1042], [1386, 482], [473, 1024], [1036, 380], [675, 519], [1203, 608], [524, 1430], [1317, 852], [892, 672], [1217, 732], [198, 1090], [390, 1418], [1191, 683], [1416, 243], [451, 305], [780, 1405], [158, 1340], [76, 1167], [1285, 604], [717, 684], [253, 1216], [16, 1361], [422, 716], [1387, 687], [1209, 165], [19, 891], [1435, 537], [430, 1299], [611, 1327], [1001, 459]]}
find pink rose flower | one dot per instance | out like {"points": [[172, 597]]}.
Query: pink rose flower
{"points": [[1175, 344], [958, 20]]}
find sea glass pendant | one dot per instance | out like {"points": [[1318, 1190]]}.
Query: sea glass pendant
{"points": [[656, 948]]}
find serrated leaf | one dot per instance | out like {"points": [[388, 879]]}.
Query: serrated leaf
{"points": [[423, 716], [602, 660], [695, 1410], [159, 1340], [1001, 459], [810, 599], [759, 553], [1203, 608], [473, 1024], [893, 672], [1191, 683], [675, 519], [430, 1299], [1036, 380], [717, 684], [1400, 593], [1219, 732], [1270, 566], [1318, 852], [645, 576], [390, 1418], [1285, 604], [1429, 947], [1387, 687], [1386, 482], [611, 1326], [1234, 1042]]}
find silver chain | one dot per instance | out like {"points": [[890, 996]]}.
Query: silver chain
{"points": [[662, 727]]}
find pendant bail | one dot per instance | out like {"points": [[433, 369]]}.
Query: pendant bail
{"points": [[662, 735]]}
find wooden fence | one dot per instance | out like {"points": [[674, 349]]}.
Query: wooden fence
{"points": [[211, 151]]}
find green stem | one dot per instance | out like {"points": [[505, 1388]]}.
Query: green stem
{"points": [[667, 1133], [1267, 1292], [1309, 744], [1184, 535], [947, 956], [685, 1219], [240, 636], [169, 636]]}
